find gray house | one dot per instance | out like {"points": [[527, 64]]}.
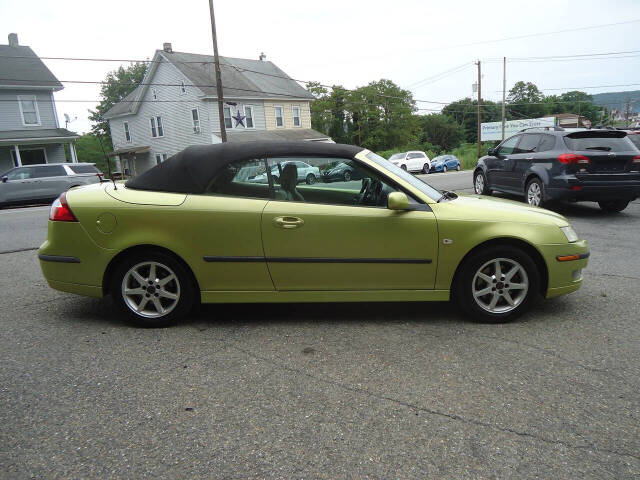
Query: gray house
{"points": [[175, 106], [29, 130]]}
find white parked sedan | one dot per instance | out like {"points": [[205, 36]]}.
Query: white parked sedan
{"points": [[414, 161]]}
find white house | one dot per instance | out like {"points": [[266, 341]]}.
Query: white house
{"points": [[176, 106]]}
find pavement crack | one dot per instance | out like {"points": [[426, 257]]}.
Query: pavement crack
{"points": [[17, 250], [450, 416], [611, 275]]}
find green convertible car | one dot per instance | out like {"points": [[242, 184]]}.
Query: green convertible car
{"points": [[208, 226]]}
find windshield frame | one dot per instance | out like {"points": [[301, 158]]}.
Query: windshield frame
{"points": [[432, 193]]}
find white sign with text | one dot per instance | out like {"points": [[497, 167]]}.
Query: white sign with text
{"points": [[493, 130]]}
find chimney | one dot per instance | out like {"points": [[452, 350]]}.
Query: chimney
{"points": [[13, 40], [166, 46], [263, 57]]}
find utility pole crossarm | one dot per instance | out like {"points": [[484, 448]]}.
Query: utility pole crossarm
{"points": [[216, 61]]}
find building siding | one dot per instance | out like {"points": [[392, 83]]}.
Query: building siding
{"points": [[258, 114], [10, 117], [287, 106]]}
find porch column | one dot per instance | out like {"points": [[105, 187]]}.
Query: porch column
{"points": [[17, 151], [72, 151]]}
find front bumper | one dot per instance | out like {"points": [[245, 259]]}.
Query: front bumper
{"points": [[565, 263]]}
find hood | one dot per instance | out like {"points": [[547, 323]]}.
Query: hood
{"points": [[479, 207]]}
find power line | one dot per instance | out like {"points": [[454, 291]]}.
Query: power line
{"points": [[440, 76]]}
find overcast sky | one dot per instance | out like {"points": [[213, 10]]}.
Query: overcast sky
{"points": [[340, 42]]}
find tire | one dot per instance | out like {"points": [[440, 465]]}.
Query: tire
{"points": [[404, 167], [347, 176], [444, 169], [613, 206], [479, 274], [311, 179], [133, 273], [426, 168], [458, 167], [480, 184], [534, 193]]}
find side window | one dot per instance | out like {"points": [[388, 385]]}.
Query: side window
{"points": [[20, 174], [528, 144], [246, 178], [414, 155], [548, 142], [333, 181], [509, 145], [49, 171]]}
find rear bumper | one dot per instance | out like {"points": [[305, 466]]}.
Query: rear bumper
{"points": [[595, 188]]}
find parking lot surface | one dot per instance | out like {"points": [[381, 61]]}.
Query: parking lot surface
{"points": [[324, 391]]}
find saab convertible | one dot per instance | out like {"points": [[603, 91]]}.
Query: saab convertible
{"points": [[209, 226]]}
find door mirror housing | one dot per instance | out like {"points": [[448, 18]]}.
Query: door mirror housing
{"points": [[398, 201], [492, 152]]}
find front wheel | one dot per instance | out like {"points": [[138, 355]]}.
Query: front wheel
{"points": [[311, 179], [480, 184], [153, 289], [458, 167], [347, 176], [613, 206], [444, 169], [497, 285]]}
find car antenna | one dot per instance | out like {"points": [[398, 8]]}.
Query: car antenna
{"points": [[107, 160]]}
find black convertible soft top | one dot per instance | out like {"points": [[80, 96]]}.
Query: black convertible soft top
{"points": [[192, 169]]}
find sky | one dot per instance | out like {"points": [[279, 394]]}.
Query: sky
{"points": [[350, 43]]}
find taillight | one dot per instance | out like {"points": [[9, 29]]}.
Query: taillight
{"points": [[100, 175], [636, 159], [572, 158], [60, 211]]}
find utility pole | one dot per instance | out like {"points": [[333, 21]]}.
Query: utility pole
{"points": [[216, 60], [504, 88], [479, 114]]}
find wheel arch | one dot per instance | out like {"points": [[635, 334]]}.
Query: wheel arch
{"points": [[539, 173], [533, 252], [106, 278]]}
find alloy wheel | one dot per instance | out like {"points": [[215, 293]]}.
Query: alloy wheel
{"points": [[150, 289], [479, 184], [500, 285], [534, 194]]}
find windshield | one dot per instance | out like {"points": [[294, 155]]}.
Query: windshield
{"points": [[599, 142], [397, 156], [425, 188]]}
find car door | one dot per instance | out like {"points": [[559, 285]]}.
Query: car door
{"points": [[52, 180], [20, 185], [518, 162], [328, 239], [497, 167]]}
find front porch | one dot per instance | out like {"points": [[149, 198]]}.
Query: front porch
{"points": [[29, 147]]}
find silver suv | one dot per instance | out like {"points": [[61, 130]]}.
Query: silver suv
{"points": [[45, 181]]}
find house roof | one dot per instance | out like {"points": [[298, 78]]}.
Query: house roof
{"points": [[241, 79], [284, 134], [17, 136], [21, 67]]}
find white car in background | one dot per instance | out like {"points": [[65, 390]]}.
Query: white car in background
{"points": [[414, 161]]}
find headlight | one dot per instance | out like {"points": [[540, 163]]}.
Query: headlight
{"points": [[570, 233]]}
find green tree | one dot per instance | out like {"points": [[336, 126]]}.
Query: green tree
{"points": [[89, 150], [574, 102], [117, 85], [525, 100], [440, 130], [465, 113]]}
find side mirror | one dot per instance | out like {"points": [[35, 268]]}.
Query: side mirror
{"points": [[4, 179], [491, 152], [397, 201]]}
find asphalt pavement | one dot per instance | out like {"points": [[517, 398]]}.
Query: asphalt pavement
{"points": [[324, 390]]}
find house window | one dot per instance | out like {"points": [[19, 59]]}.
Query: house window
{"points": [[127, 133], [279, 119], [29, 109], [248, 113], [227, 117], [296, 116], [183, 88], [161, 157], [195, 117], [154, 93], [157, 129]]}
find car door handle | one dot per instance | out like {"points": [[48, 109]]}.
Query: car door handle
{"points": [[287, 222]]}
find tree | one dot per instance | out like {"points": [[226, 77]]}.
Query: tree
{"points": [[118, 84], [89, 150], [440, 130], [525, 100], [465, 113]]}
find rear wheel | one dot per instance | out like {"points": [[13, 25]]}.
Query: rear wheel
{"points": [[404, 167], [613, 206], [444, 169], [311, 179], [425, 168], [534, 193], [153, 289], [480, 184], [497, 285]]}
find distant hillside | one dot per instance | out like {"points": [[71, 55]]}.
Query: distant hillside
{"points": [[616, 99]]}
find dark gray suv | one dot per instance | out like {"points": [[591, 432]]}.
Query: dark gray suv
{"points": [[45, 182], [555, 164]]}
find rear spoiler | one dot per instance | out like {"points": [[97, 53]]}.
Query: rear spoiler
{"points": [[597, 134]]}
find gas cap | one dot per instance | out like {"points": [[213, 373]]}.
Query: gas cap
{"points": [[106, 222]]}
